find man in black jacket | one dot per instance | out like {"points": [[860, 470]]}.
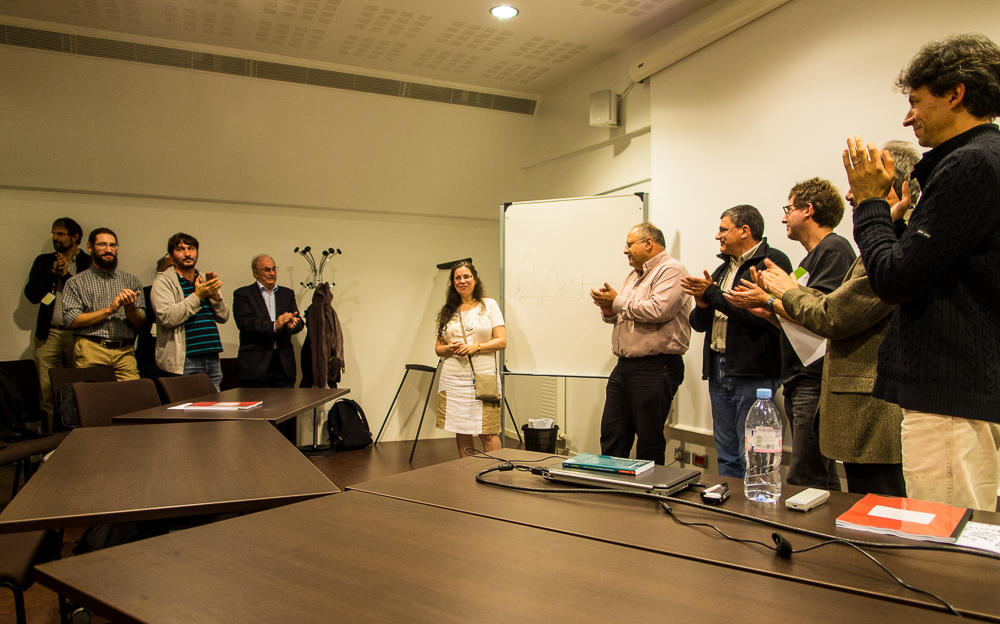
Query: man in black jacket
{"points": [[741, 351], [939, 360], [267, 316], [49, 272]]}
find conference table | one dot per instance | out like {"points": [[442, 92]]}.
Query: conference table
{"points": [[970, 583], [138, 472], [358, 557], [279, 405]]}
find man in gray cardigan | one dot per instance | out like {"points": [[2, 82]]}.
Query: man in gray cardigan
{"points": [[188, 306], [855, 427]]}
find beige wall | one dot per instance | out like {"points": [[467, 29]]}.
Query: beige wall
{"points": [[252, 166]]}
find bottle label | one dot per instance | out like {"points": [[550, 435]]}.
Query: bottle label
{"points": [[762, 440]]}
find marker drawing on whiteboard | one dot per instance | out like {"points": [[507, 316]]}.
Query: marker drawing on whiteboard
{"points": [[551, 286]]}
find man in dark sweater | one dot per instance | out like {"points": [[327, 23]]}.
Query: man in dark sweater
{"points": [[741, 351], [49, 273], [814, 208], [940, 360]]}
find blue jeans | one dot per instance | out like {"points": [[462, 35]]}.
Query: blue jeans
{"points": [[640, 391], [732, 398], [207, 363]]}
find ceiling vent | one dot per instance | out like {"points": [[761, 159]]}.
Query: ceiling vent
{"points": [[265, 70]]}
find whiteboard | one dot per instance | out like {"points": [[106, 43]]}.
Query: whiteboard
{"points": [[553, 253]]}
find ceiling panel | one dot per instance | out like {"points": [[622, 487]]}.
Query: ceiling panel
{"points": [[448, 41]]}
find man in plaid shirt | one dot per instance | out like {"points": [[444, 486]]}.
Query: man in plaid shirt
{"points": [[103, 306]]}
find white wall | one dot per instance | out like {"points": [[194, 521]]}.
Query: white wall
{"points": [[740, 121], [773, 103], [251, 166]]}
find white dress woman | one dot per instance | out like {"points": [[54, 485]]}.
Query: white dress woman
{"points": [[473, 327]]}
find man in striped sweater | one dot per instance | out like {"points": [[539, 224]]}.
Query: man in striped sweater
{"points": [[940, 360], [188, 306]]}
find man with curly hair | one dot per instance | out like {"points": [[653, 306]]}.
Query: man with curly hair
{"points": [[940, 360]]}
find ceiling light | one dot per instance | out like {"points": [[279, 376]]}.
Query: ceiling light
{"points": [[504, 11]]}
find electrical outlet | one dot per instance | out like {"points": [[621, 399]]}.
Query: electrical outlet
{"points": [[679, 454], [700, 460]]}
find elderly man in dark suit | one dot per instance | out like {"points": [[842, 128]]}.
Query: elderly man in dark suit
{"points": [[267, 317]]}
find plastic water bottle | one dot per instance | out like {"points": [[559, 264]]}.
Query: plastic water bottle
{"points": [[762, 441]]}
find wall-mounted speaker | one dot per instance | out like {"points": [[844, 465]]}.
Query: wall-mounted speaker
{"points": [[604, 109]]}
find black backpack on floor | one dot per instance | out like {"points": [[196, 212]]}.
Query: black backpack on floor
{"points": [[348, 426]]}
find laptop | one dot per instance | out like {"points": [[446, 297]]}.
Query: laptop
{"points": [[661, 480]]}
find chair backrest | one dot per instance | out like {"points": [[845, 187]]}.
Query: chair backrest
{"points": [[25, 374], [62, 376], [98, 402], [230, 377], [187, 387]]}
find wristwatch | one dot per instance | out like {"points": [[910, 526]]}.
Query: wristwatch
{"points": [[769, 304]]}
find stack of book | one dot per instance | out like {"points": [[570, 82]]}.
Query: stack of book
{"points": [[906, 517], [606, 463]]}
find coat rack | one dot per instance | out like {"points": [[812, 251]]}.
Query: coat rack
{"points": [[316, 274]]}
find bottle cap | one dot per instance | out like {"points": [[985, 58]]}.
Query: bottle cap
{"points": [[763, 393]]}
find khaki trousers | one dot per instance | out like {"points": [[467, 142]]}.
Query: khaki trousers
{"points": [[89, 353], [951, 460], [54, 352]]}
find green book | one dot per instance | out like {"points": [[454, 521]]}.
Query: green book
{"points": [[606, 463]]}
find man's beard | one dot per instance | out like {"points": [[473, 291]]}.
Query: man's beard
{"points": [[59, 247], [105, 265]]}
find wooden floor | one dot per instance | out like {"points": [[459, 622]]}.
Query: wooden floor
{"points": [[343, 469]]}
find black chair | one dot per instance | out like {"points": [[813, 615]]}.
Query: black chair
{"points": [[21, 443], [25, 374], [59, 377], [20, 454], [230, 376], [97, 403], [19, 553], [177, 389]]}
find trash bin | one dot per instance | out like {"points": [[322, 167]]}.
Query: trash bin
{"points": [[541, 440]]}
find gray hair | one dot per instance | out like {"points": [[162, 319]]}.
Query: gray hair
{"points": [[906, 156], [253, 263], [648, 230], [747, 215]]}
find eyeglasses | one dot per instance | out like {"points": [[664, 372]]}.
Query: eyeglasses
{"points": [[723, 230], [105, 245], [788, 208], [628, 245], [268, 270]]}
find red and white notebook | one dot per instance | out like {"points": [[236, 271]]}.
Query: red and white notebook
{"points": [[219, 405], [906, 517]]}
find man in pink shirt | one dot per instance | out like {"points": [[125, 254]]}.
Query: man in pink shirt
{"points": [[651, 335]]}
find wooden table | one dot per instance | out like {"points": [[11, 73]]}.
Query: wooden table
{"points": [[280, 404], [969, 583], [140, 472], [356, 557]]}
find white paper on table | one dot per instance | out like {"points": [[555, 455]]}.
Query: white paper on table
{"points": [[904, 515], [981, 536], [808, 346]]}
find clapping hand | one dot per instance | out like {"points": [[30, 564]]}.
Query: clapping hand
{"points": [[869, 171], [126, 298], [207, 286], [748, 294], [290, 320], [696, 286], [604, 298], [775, 280]]}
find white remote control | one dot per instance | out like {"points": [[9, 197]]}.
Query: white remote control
{"points": [[807, 499]]}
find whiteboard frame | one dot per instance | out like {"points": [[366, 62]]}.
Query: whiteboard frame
{"points": [[643, 196]]}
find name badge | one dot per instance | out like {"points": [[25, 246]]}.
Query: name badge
{"points": [[48, 299]]}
